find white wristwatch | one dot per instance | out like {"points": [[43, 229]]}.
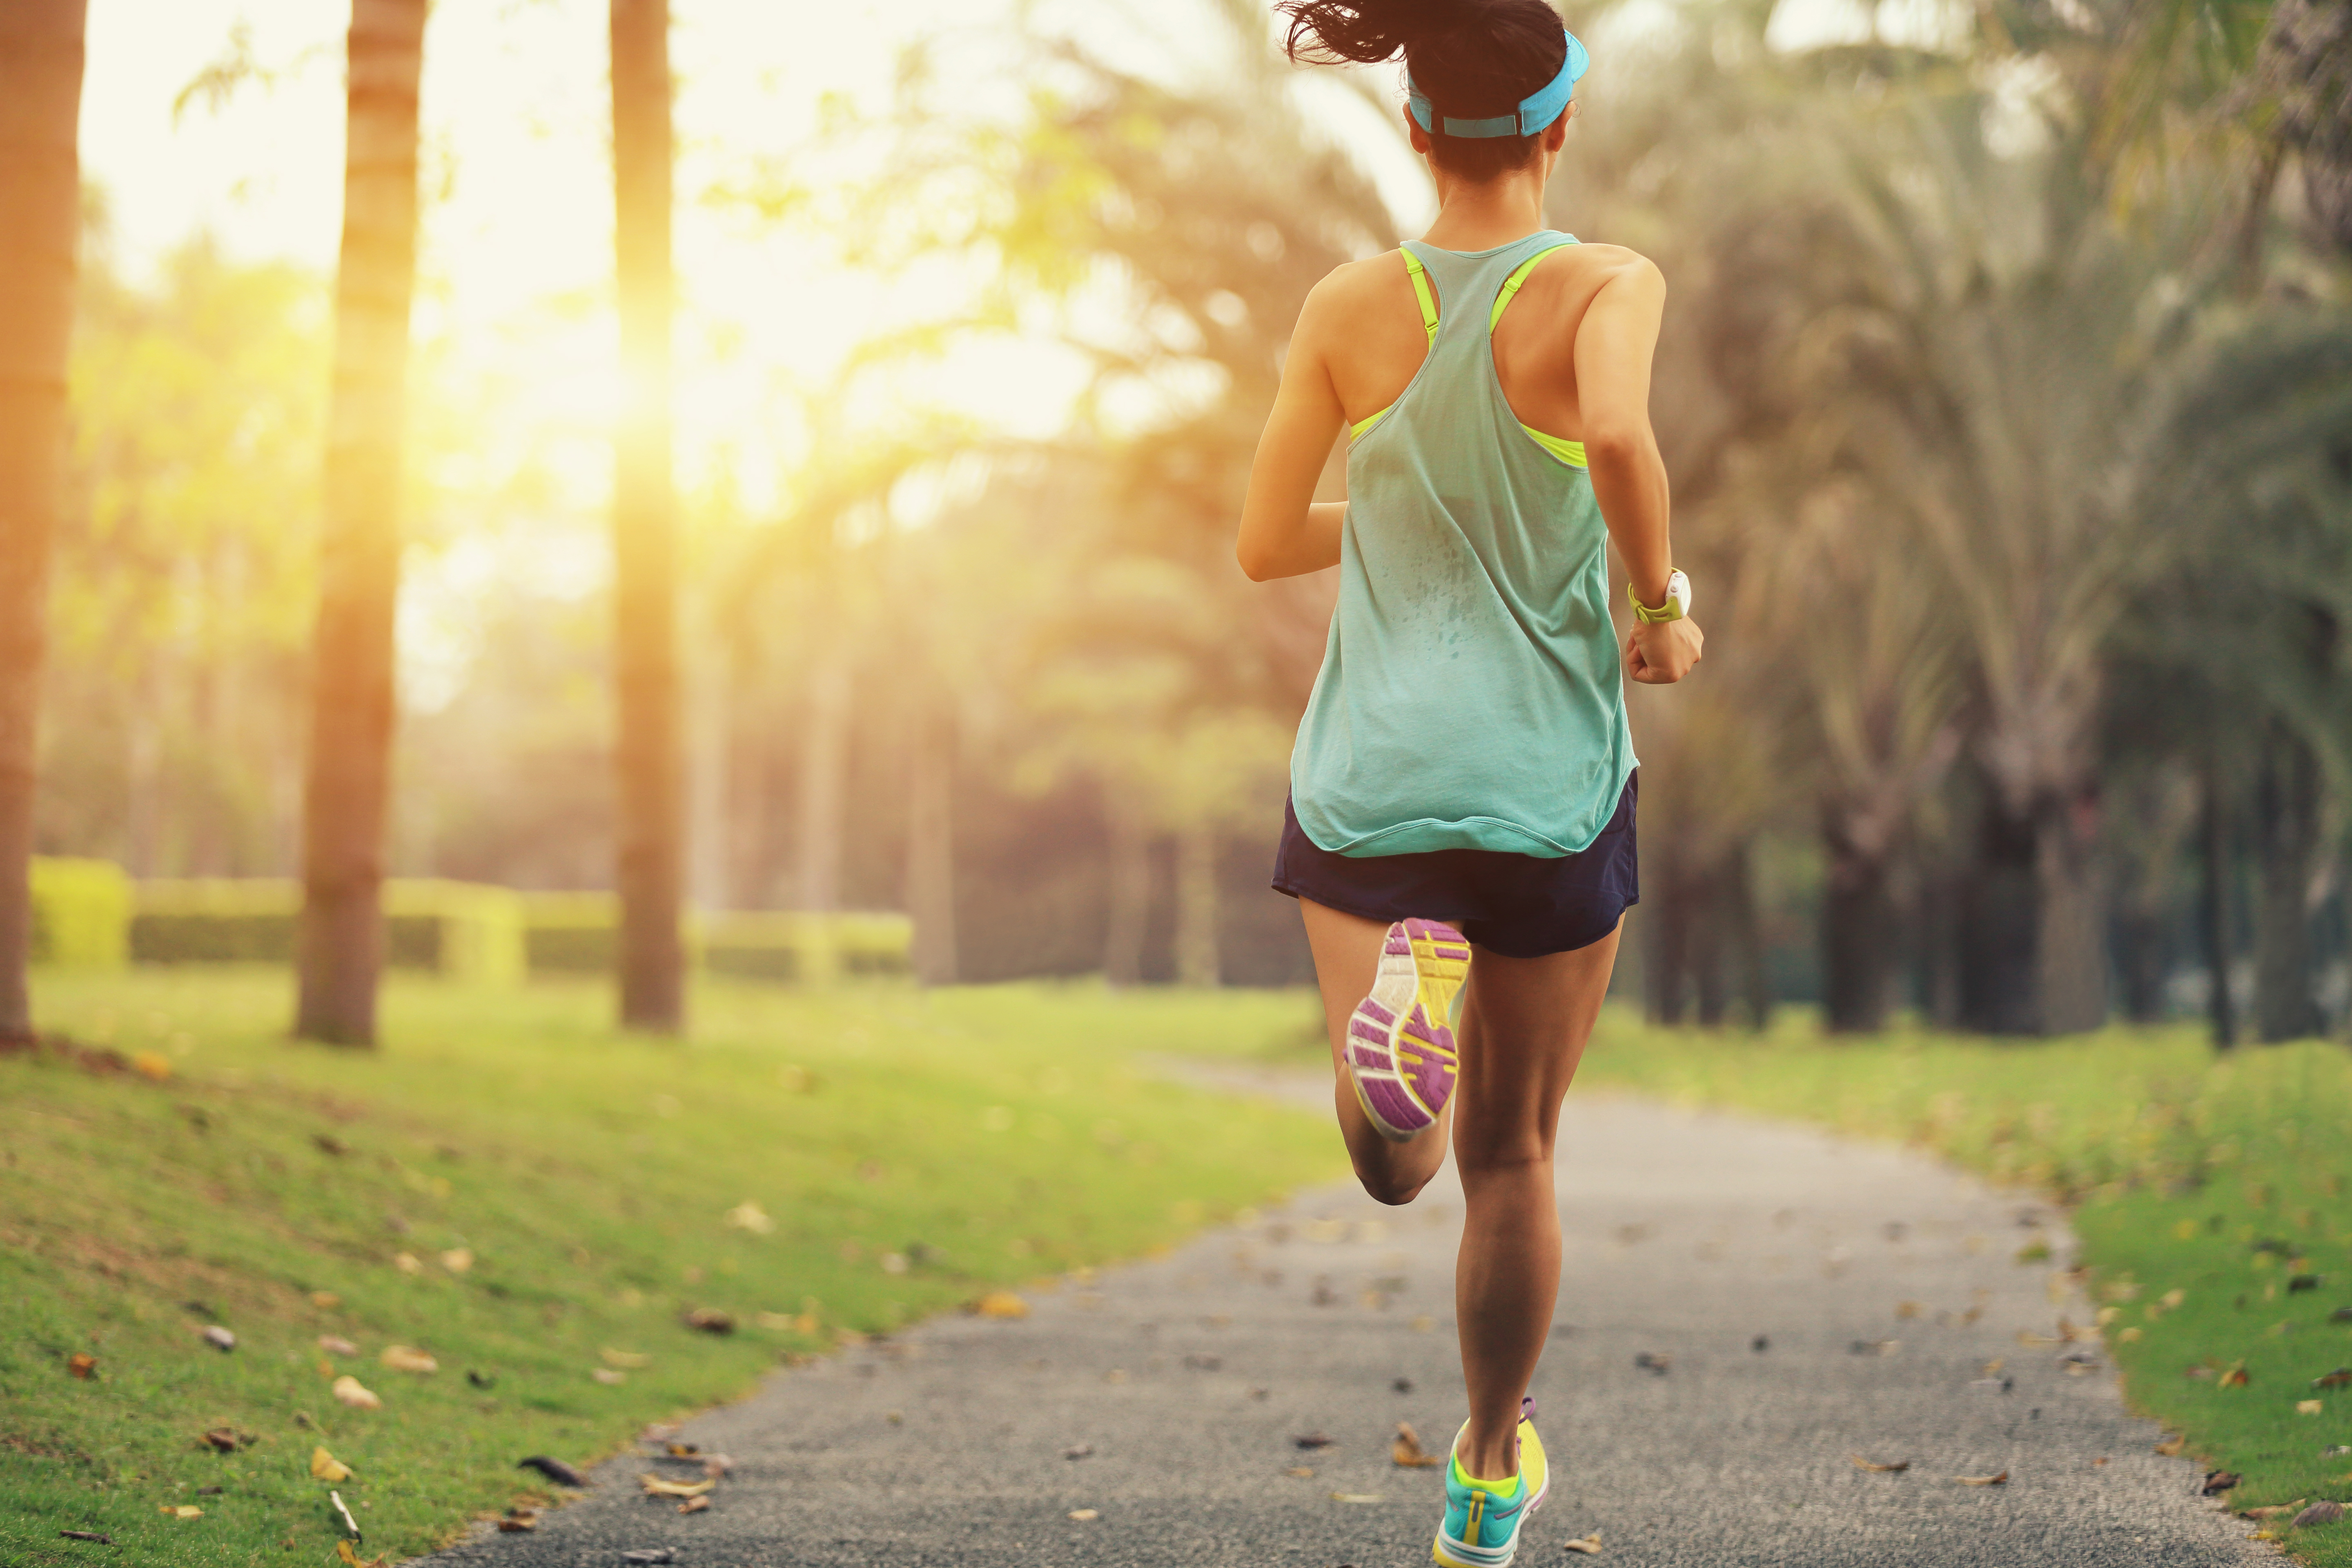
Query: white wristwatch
{"points": [[1677, 605]]}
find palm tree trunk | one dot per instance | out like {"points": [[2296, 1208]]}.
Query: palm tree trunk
{"points": [[1999, 929], [1857, 936], [347, 785], [2071, 956], [648, 758], [1126, 915], [824, 783], [1197, 960], [931, 844], [40, 213], [2213, 906], [2288, 830]]}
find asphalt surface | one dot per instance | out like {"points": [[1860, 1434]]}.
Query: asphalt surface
{"points": [[1811, 1300]]}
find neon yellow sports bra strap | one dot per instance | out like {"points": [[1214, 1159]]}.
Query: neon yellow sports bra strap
{"points": [[1517, 277], [1421, 292]]}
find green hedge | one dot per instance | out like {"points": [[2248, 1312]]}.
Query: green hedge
{"points": [[459, 929], [577, 933], [88, 911], [81, 912]]}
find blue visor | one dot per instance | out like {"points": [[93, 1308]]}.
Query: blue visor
{"points": [[1537, 110]]}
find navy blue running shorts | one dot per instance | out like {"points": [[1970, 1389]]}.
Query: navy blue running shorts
{"points": [[1521, 906]]}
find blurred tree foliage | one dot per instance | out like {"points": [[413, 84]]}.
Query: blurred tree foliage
{"points": [[2007, 391]]}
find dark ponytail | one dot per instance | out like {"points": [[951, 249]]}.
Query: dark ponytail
{"points": [[1474, 58]]}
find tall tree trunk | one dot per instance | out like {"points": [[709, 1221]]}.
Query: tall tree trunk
{"points": [[930, 843], [1666, 940], [1747, 939], [2288, 831], [1710, 925], [2213, 905], [1197, 960], [40, 213], [1999, 929], [2071, 957], [347, 786], [1127, 902], [648, 756], [1858, 934], [824, 783]]}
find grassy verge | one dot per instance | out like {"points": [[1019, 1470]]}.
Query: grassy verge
{"points": [[533, 1199], [2213, 1203]]}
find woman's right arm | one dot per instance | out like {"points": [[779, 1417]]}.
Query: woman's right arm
{"points": [[1285, 532]]}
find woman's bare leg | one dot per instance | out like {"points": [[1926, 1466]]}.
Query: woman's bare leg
{"points": [[1347, 956], [1524, 1022]]}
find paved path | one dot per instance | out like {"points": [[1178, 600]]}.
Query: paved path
{"points": [[1693, 1239]]}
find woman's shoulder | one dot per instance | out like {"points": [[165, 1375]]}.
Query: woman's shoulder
{"points": [[1599, 261]]}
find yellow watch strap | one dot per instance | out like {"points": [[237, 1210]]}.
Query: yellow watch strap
{"points": [[1669, 611]]}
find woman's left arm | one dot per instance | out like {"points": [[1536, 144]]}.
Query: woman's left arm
{"points": [[1285, 531]]}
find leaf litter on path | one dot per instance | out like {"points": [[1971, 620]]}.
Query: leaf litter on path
{"points": [[694, 1505], [554, 1469], [1406, 1452], [1311, 1440], [656, 1486], [408, 1358], [1356, 1497], [350, 1558], [1897, 1468], [2000, 1478], [1590, 1545], [350, 1391], [325, 1467]]}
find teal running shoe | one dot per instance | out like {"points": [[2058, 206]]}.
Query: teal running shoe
{"points": [[1483, 1518]]}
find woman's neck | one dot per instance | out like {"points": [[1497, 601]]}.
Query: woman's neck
{"points": [[1488, 214]]}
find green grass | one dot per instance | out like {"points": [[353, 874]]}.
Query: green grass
{"points": [[2221, 1178], [910, 1151]]}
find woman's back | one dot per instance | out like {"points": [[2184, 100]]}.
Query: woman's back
{"points": [[1469, 696]]}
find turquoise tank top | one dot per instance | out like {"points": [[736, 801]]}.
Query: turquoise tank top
{"points": [[1470, 696]]}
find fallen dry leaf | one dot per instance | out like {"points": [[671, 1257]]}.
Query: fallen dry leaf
{"points": [[607, 1376], [335, 1344], [2322, 1513], [709, 1320], [1084, 1513], [2218, 1481], [350, 1391], [223, 1438], [716, 1465], [1356, 1497], [1301, 1472], [657, 1487], [628, 1358], [1907, 1308], [2275, 1510], [1897, 1468], [2034, 1342], [1588, 1544], [749, 1216], [325, 1300], [99, 1536], [406, 1263], [408, 1358], [1001, 1304], [2309, 1406], [457, 1259], [554, 1469], [1311, 1440], [151, 1065], [2340, 1378], [82, 1364], [1995, 1481], [350, 1558], [1080, 1451], [181, 1511], [1653, 1363], [1407, 1453], [694, 1505], [2173, 1444], [219, 1338], [2233, 1378], [325, 1467], [518, 1519], [351, 1525]]}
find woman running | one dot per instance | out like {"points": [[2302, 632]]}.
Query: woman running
{"points": [[1463, 779]]}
